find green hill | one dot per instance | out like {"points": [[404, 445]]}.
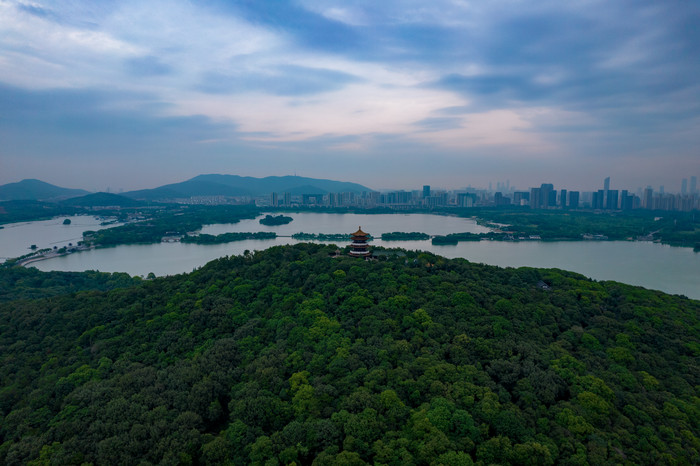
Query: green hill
{"points": [[292, 356], [36, 190], [102, 200], [234, 185]]}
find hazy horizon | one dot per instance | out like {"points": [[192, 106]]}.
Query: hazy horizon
{"points": [[491, 186], [134, 95]]}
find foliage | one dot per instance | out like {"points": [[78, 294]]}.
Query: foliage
{"points": [[674, 228], [29, 283], [169, 222], [228, 237], [403, 236], [454, 238], [22, 211], [344, 237], [290, 356], [275, 220]]}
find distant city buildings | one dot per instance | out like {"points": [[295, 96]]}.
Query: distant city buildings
{"points": [[543, 197]]}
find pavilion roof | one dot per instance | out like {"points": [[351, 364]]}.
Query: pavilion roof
{"points": [[359, 232]]}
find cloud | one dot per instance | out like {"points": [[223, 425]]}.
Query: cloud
{"points": [[147, 66], [453, 78], [96, 121], [437, 124], [285, 80]]}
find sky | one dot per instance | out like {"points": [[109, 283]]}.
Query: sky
{"points": [[136, 94]]}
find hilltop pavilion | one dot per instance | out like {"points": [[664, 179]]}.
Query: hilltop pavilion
{"points": [[359, 246]]}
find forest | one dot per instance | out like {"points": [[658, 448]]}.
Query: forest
{"points": [[227, 237], [674, 228], [292, 356], [272, 220], [405, 236], [169, 222]]}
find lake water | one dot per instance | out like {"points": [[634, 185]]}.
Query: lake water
{"points": [[16, 238], [655, 266]]}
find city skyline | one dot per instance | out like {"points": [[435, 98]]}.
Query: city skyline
{"points": [[687, 187], [133, 95]]}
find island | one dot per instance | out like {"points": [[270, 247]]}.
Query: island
{"points": [[403, 236], [66, 221], [275, 220], [227, 237], [324, 237]]}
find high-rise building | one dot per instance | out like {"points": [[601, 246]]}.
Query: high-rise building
{"points": [[500, 200], [611, 200], [273, 200], [521, 197], [626, 200], [287, 199], [693, 184], [573, 199], [606, 188], [648, 199], [684, 186], [597, 199], [562, 198], [535, 198], [426, 191], [548, 196]]}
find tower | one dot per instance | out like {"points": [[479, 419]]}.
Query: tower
{"points": [[359, 246]]}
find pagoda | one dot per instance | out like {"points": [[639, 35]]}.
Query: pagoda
{"points": [[359, 246]]}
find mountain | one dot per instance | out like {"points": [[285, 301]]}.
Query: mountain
{"points": [[102, 199], [36, 190], [234, 185]]}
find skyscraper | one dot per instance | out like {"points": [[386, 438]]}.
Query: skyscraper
{"points": [[546, 191], [648, 198], [598, 201], [606, 188], [426, 191], [573, 199], [535, 198]]}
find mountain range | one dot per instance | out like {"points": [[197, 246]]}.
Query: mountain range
{"points": [[36, 190], [202, 185]]}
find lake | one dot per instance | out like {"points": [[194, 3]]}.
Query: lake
{"points": [[16, 238], [652, 265]]}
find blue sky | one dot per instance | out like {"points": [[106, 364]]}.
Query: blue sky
{"points": [[389, 94]]}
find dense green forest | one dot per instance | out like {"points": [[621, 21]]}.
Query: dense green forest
{"points": [[29, 283], [275, 220], [340, 237], [228, 237], [674, 228], [290, 356], [170, 222], [23, 211], [405, 236]]}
